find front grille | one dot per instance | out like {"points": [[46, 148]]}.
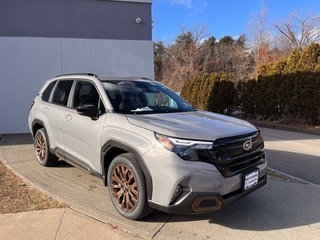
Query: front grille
{"points": [[229, 156]]}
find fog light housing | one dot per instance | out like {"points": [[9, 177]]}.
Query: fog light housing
{"points": [[176, 193]]}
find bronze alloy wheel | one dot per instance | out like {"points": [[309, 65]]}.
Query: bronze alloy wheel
{"points": [[124, 188], [127, 187], [41, 147]]}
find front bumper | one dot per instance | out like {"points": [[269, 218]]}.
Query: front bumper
{"points": [[202, 202]]}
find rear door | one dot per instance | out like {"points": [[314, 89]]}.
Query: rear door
{"points": [[54, 107]]}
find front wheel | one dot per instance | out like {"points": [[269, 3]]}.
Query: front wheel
{"points": [[41, 146], [127, 187]]}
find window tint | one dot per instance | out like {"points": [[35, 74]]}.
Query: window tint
{"points": [[61, 92], [46, 93]]}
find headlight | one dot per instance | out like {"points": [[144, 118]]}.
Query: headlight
{"points": [[186, 149]]}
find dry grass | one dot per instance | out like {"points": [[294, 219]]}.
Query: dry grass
{"points": [[18, 196]]}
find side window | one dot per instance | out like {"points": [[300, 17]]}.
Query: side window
{"points": [[46, 93], [61, 92], [86, 92]]}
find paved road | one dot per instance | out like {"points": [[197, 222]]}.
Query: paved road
{"points": [[296, 154], [279, 210]]}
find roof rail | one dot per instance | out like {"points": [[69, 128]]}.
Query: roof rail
{"points": [[143, 78], [86, 74]]}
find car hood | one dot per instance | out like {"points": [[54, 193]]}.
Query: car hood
{"points": [[197, 125]]}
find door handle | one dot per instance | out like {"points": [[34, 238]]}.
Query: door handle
{"points": [[68, 117]]}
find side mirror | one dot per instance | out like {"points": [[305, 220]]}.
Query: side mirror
{"points": [[88, 109]]}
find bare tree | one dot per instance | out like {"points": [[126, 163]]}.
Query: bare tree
{"points": [[259, 37], [192, 54], [183, 57], [209, 55], [242, 60], [300, 31]]}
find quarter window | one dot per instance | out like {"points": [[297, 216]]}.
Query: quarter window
{"points": [[46, 93]]}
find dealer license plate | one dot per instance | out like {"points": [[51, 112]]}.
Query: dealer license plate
{"points": [[251, 179]]}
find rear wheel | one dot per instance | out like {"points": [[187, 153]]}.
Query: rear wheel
{"points": [[41, 146], [127, 187]]}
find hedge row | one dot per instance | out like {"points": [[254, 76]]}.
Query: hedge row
{"points": [[214, 92], [293, 96]]}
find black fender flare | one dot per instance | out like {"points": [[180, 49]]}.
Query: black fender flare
{"points": [[111, 144], [34, 122]]}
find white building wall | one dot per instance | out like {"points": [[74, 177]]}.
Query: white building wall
{"points": [[26, 63]]}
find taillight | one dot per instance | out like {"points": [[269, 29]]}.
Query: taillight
{"points": [[31, 104]]}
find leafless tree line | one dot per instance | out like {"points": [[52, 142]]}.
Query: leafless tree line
{"points": [[194, 53]]}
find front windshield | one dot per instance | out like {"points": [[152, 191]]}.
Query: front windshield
{"points": [[136, 97]]}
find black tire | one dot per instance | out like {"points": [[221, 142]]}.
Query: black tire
{"points": [[127, 187], [42, 146]]}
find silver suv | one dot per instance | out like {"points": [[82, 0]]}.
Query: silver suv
{"points": [[149, 146]]}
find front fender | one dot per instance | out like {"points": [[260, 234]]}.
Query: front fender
{"points": [[113, 148]]}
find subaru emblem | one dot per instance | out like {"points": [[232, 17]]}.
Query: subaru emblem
{"points": [[247, 145]]}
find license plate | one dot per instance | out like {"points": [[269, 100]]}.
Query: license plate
{"points": [[251, 179]]}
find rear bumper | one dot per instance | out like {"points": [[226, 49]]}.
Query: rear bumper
{"points": [[202, 202]]}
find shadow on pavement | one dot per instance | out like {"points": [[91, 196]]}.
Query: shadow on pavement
{"points": [[278, 205], [62, 164], [303, 166], [16, 139]]}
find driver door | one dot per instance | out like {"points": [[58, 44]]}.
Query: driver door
{"points": [[82, 135]]}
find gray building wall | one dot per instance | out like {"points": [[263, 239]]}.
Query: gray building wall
{"points": [[40, 39]]}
